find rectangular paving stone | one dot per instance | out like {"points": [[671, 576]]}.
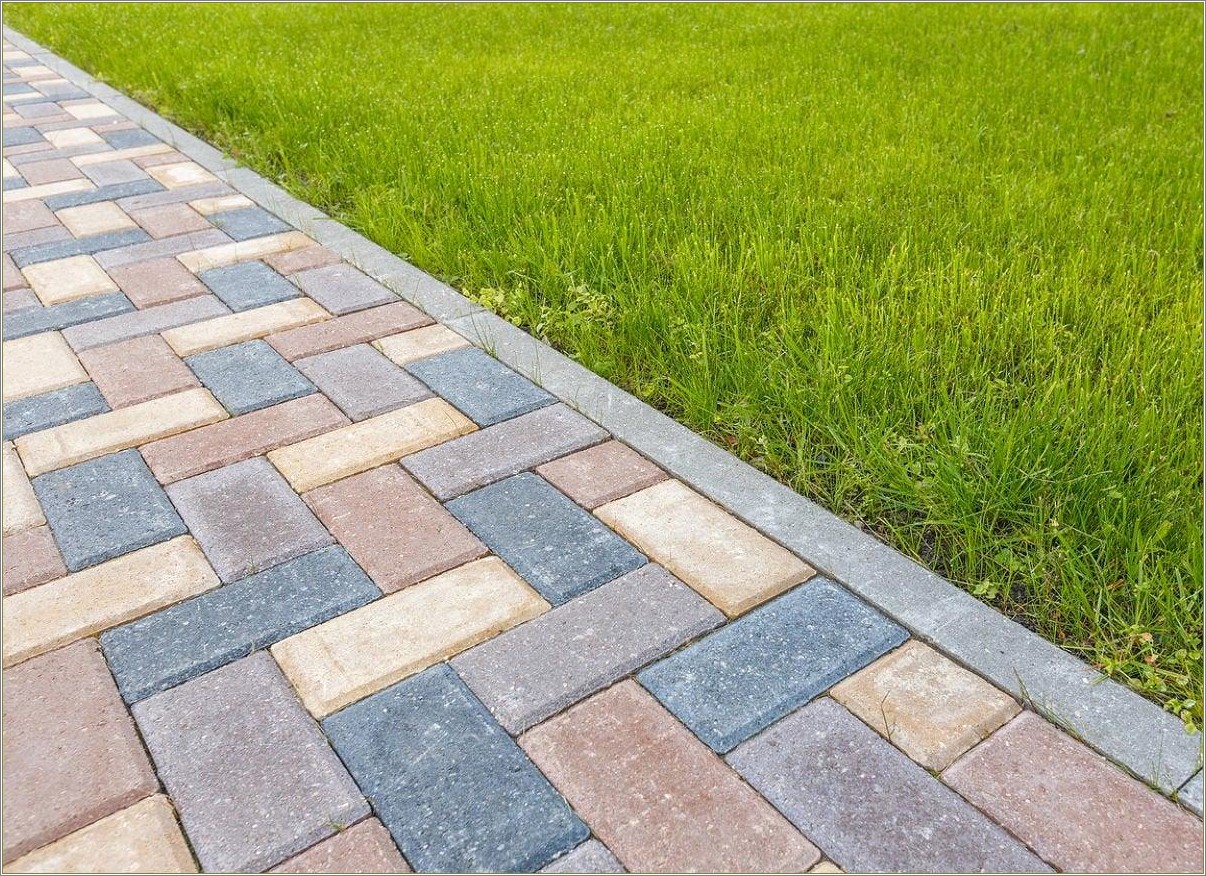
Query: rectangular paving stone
{"points": [[27, 216], [209, 206], [150, 321], [17, 301], [867, 805], [137, 370], [551, 662], [502, 450], [661, 801], [21, 508], [302, 259], [143, 838], [241, 437], [342, 289], [35, 320], [480, 386], [453, 788], [52, 409], [157, 281], [246, 285], [49, 171], [1076, 809], [75, 137], [46, 194], [590, 857], [157, 249], [71, 754], [115, 173], [395, 531], [167, 220], [249, 376], [365, 847], [352, 449], [95, 219], [136, 152], [61, 250], [90, 194], [30, 558], [362, 381], [203, 259], [556, 546], [201, 337], [737, 681], [198, 635], [411, 346], [733, 565], [118, 430], [15, 242], [21, 136], [929, 707], [246, 518], [601, 474], [130, 138], [156, 195], [39, 364], [182, 173], [248, 222], [346, 331], [1190, 794], [250, 773], [13, 278], [361, 652]]}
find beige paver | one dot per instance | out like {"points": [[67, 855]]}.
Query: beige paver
{"points": [[185, 173], [95, 219], [731, 564], [209, 206], [38, 364], [420, 343], [928, 706], [92, 109], [143, 838], [199, 260], [352, 449], [73, 137], [122, 155], [67, 279], [10, 172], [95, 599], [363, 651], [246, 326], [118, 430], [21, 508], [827, 867], [37, 193]]}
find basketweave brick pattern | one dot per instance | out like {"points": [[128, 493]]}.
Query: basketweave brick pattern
{"points": [[298, 580]]}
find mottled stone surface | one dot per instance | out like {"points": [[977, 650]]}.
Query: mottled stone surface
{"points": [[33, 320], [480, 386], [362, 381], [248, 284], [157, 281], [166, 220], [137, 370], [150, 321], [365, 847], [601, 474], [248, 222], [345, 331], [590, 857], [52, 409], [37, 365], [30, 558], [343, 289], [249, 376]]}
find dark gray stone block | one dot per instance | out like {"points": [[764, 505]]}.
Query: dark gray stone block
{"points": [[52, 409], [130, 138], [138, 323], [455, 791], [104, 193], [248, 222], [249, 376], [33, 320], [480, 386], [361, 381], [740, 679], [62, 249], [104, 508], [556, 546], [199, 635], [248, 284], [343, 289]]}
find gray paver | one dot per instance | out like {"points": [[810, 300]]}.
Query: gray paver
{"points": [[103, 193], [161, 196], [167, 246], [33, 320], [247, 518], [248, 770], [130, 138], [248, 222], [52, 409], [11, 183], [590, 857], [196, 636], [246, 285], [36, 237], [249, 376], [22, 136], [1190, 794], [104, 508], [738, 680], [343, 289], [112, 173], [551, 662], [361, 381], [866, 804], [63, 249], [455, 791], [501, 450], [552, 543], [137, 323], [480, 386]]}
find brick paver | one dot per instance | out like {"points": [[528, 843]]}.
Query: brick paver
{"points": [[30, 557], [366, 847], [590, 857], [345, 331], [137, 370], [249, 376], [37, 412], [39, 364], [480, 386], [362, 381], [601, 474]]}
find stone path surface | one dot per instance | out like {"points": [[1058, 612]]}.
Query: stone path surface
{"points": [[297, 579]]}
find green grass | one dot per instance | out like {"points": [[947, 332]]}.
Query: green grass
{"points": [[939, 268]]}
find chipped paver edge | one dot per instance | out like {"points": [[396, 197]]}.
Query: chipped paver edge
{"points": [[1119, 723]]}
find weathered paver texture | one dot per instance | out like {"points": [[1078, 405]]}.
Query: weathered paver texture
{"points": [[296, 579]]}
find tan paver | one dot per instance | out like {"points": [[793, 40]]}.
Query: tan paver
{"points": [[304, 259], [122, 154], [731, 564], [21, 508], [38, 364], [95, 219], [38, 193], [95, 599], [67, 279], [199, 260], [143, 838], [90, 109], [369, 443], [209, 206], [222, 331], [186, 173], [363, 651], [420, 343], [137, 370], [118, 430], [926, 705], [827, 867], [73, 137]]}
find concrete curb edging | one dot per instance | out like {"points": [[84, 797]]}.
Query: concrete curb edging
{"points": [[1120, 724]]}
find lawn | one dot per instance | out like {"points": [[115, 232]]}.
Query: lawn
{"points": [[939, 268]]}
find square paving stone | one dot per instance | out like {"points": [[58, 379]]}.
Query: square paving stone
{"points": [[246, 285], [453, 788], [30, 558], [71, 754], [249, 376], [22, 136], [52, 409], [740, 679], [64, 279], [193, 637], [95, 219], [27, 216], [659, 799], [867, 805], [365, 847], [34, 320], [556, 546], [157, 281], [362, 381], [539, 668], [342, 289], [480, 386], [137, 370], [246, 518], [601, 474], [248, 222], [106, 507], [250, 773], [115, 173], [590, 857], [167, 220]]}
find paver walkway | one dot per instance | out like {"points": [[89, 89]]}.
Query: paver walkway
{"points": [[295, 579]]}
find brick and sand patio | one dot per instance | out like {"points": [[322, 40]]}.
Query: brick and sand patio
{"points": [[300, 578]]}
